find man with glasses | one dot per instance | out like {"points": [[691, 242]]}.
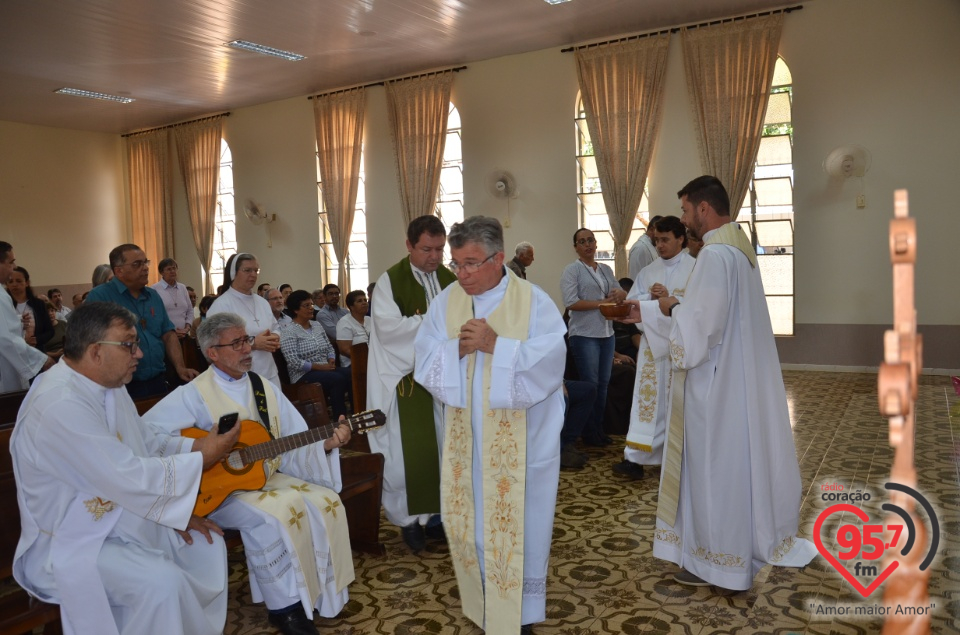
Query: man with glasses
{"points": [[294, 530], [410, 442], [106, 502], [491, 349], [157, 333], [19, 362], [275, 299]]}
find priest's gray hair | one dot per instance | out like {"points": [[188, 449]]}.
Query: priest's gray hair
{"points": [[92, 321], [522, 247], [482, 230], [209, 331]]}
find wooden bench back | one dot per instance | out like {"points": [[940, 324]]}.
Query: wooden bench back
{"points": [[358, 372]]}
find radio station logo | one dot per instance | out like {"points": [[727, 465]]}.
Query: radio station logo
{"points": [[861, 546]]}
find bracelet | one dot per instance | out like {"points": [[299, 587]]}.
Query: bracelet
{"points": [[672, 307]]}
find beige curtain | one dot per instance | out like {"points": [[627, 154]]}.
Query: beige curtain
{"points": [[622, 88], [149, 203], [339, 125], [198, 150], [418, 109], [729, 70]]}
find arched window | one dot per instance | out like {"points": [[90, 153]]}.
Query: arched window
{"points": [[592, 213], [225, 226], [357, 256], [450, 193], [768, 209]]}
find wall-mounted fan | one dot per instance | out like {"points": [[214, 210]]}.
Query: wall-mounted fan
{"points": [[847, 161], [256, 215], [502, 185]]}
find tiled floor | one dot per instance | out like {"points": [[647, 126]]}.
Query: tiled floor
{"points": [[603, 578]]}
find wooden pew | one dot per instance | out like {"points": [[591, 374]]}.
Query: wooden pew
{"points": [[19, 612], [358, 372]]}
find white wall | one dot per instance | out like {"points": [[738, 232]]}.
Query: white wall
{"points": [[61, 200]]}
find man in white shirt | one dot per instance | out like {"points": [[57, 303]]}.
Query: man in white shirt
{"points": [[106, 501], [275, 299], [176, 298], [331, 312], [643, 252], [56, 299]]}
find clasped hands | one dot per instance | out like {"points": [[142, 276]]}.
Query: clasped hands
{"points": [[477, 335]]}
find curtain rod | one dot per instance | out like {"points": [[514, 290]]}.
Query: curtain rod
{"points": [[384, 81], [686, 26], [174, 125]]}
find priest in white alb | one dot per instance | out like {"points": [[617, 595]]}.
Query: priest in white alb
{"points": [[650, 410], [730, 485], [106, 501], [491, 349], [294, 529]]}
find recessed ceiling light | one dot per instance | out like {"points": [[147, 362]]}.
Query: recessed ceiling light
{"points": [[76, 92], [556, 1], [265, 50]]}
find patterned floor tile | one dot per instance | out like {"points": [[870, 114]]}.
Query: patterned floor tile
{"points": [[603, 578]]}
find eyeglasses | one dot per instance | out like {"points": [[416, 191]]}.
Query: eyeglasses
{"points": [[238, 343], [132, 347], [250, 270], [587, 241], [469, 267], [137, 264]]}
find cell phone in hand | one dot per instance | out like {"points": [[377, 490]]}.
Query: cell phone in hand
{"points": [[227, 422]]}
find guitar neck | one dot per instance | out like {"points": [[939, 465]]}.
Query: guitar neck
{"points": [[277, 447]]}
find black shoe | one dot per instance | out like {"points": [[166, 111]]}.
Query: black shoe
{"points": [[526, 629], [627, 468], [598, 442], [435, 532], [293, 622], [414, 537], [571, 459]]}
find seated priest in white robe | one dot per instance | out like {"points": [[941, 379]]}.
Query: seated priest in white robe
{"points": [[730, 485], [650, 410], [491, 349], [106, 501], [294, 529]]}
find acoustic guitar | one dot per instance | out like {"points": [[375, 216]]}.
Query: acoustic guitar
{"points": [[242, 469]]}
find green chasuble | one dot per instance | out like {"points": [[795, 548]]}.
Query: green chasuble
{"points": [[421, 458]]}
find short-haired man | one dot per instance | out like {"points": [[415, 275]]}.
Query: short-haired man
{"points": [[522, 259], [106, 501], [643, 252], [262, 289], [275, 300], [77, 300], [56, 299], [410, 442], [294, 530], [157, 333], [739, 493], [175, 297], [491, 349], [330, 311], [285, 290], [19, 362], [694, 243], [650, 406]]}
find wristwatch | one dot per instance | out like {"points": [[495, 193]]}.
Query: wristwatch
{"points": [[672, 307]]}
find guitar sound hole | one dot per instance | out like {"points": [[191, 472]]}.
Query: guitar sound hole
{"points": [[234, 464]]}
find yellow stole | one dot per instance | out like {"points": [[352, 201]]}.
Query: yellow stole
{"points": [[669, 499], [503, 484], [282, 497]]}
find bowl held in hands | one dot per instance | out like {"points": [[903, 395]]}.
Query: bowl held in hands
{"points": [[611, 310]]}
